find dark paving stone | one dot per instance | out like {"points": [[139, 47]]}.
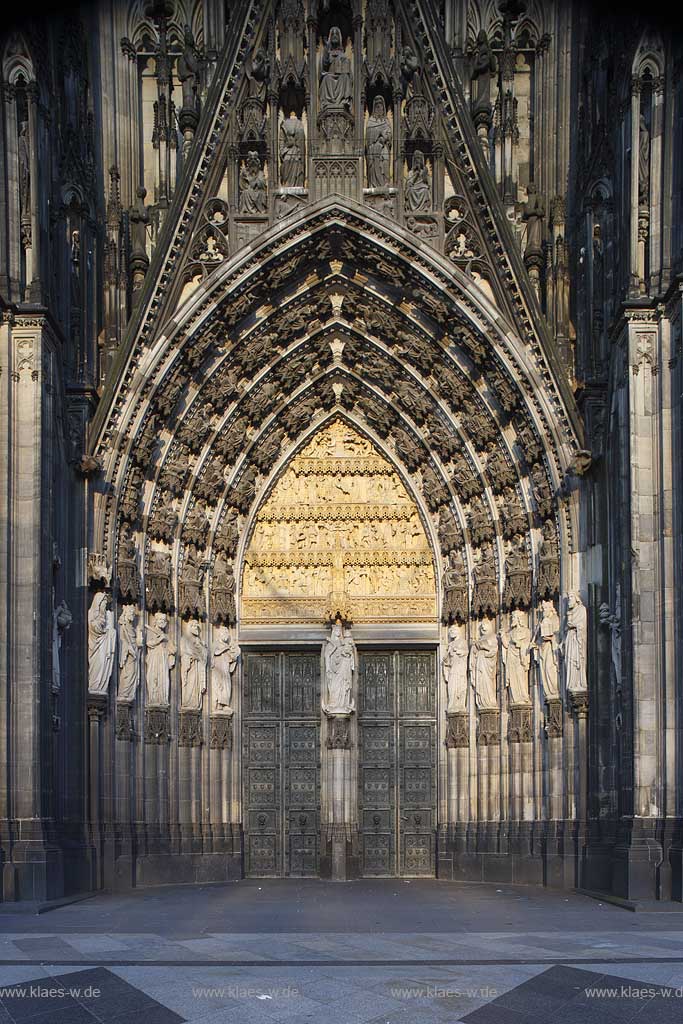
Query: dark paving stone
{"points": [[47, 946], [116, 1000], [562, 995]]}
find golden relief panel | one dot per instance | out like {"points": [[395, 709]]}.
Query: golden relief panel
{"points": [[339, 535]]}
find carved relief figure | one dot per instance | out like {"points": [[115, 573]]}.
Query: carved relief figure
{"points": [[612, 620], [188, 70], [192, 668], [574, 644], [339, 657], [130, 643], [61, 620], [24, 154], [378, 145], [484, 665], [516, 644], [548, 564], [101, 644], [336, 81], [377, 30], [257, 71], [454, 669], [643, 161], [534, 212], [292, 153], [160, 660], [418, 186], [226, 655], [253, 195], [223, 592], [455, 589], [483, 67], [547, 644]]}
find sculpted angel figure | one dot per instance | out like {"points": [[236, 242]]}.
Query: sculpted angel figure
{"points": [[340, 664]]}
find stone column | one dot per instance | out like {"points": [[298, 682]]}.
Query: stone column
{"points": [[338, 773]]}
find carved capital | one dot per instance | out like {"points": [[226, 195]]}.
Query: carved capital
{"points": [[553, 718], [157, 728], [190, 733], [339, 732], [97, 706], [221, 732], [124, 722], [519, 729], [579, 699], [457, 730], [489, 727]]}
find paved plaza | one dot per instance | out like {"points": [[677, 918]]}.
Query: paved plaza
{"points": [[383, 952]]}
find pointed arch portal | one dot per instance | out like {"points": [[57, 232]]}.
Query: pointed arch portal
{"points": [[335, 423]]}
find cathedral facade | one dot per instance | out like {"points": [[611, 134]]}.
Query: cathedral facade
{"points": [[340, 445]]}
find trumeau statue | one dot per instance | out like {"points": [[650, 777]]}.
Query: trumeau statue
{"points": [[418, 186], [192, 668], [336, 81], [339, 656], [160, 660], [292, 153], [547, 648], [516, 644], [253, 188], [378, 145], [130, 643], [484, 667], [226, 655], [574, 645], [101, 645], [454, 669]]}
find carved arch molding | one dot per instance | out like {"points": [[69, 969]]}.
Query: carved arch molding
{"points": [[335, 317]]}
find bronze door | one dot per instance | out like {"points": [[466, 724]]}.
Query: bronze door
{"points": [[397, 761], [281, 763]]}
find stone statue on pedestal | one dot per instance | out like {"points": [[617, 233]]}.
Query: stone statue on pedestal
{"points": [[292, 153], [192, 668], [130, 643], [339, 655], [160, 660], [61, 620], [101, 644], [454, 669], [547, 647], [418, 186], [226, 655], [516, 644], [378, 137], [484, 662], [574, 645], [336, 81]]}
